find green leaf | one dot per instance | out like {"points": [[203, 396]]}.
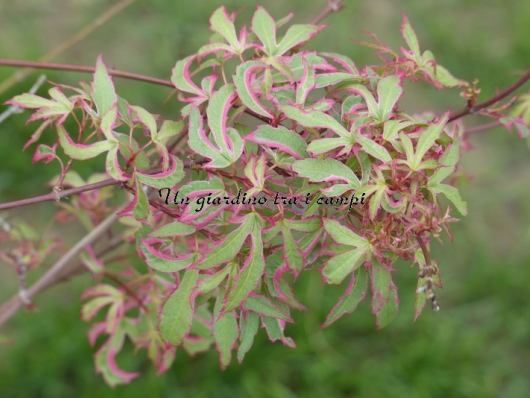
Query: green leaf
{"points": [[264, 27], [80, 151], [103, 91], [226, 333], [169, 129], [338, 267], [375, 201], [411, 39], [175, 228], [448, 161], [262, 306], [325, 170], [216, 112], [230, 246], [249, 328], [323, 145], [141, 209], [296, 35], [250, 274], [292, 255], [427, 139], [343, 235], [452, 194], [177, 313], [392, 127], [147, 119], [384, 297], [164, 179], [315, 119], [222, 24], [281, 138], [213, 281], [355, 292], [163, 263], [243, 81], [388, 92], [374, 149]]}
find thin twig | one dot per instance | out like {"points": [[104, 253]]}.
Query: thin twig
{"points": [[57, 195], [10, 308], [491, 101], [333, 6], [481, 127], [84, 69]]}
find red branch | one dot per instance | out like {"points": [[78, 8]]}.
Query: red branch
{"points": [[491, 101]]}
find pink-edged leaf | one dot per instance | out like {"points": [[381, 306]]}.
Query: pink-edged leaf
{"points": [[103, 91], [164, 179], [217, 114], [348, 302], [315, 119], [374, 149], [250, 273], [275, 328], [141, 207], [384, 297], [112, 165], [36, 135], [291, 253], [280, 138], [226, 333], [264, 307], [105, 360], [45, 153], [147, 120], [244, 80], [296, 35], [339, 267], [108, 121], [221, 23], [325, 170], [163, 262], [31, 101], [181, 78], [264, 27], [411, 39], [213, 281], [80, 151], [343, 235], [177, 313], [199, 142], [228, 248], [307, 83], [249, 327]]}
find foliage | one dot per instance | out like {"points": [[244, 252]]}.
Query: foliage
{"points": [[335, 177]]}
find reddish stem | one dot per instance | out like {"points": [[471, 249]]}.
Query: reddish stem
{"points": [[491, 101]]}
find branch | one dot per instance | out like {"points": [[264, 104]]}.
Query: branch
{"points": [[57, 195], [333, 6], [86, 69], [13, 305], [491, 101]]}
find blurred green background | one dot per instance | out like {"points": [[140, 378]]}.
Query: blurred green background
{"points": [[478, 345]]}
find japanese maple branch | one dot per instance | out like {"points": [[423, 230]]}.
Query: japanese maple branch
{"points": [[9, 309], [333, 6], [86, 69], [57, 195], [491, 101]]}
